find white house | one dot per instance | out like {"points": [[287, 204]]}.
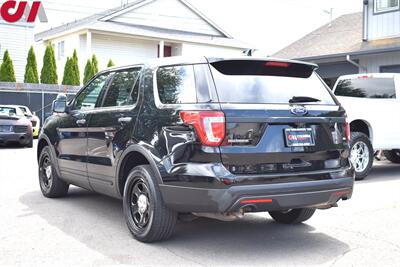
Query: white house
{"points": [[354, 43], [140, 30], [17, 38]]}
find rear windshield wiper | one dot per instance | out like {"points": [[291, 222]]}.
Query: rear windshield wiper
{"points": [[303, 99]]}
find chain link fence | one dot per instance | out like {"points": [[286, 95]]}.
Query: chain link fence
{"points": [[38, 97]]}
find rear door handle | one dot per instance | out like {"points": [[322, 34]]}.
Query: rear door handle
{"points": [[81, 122], [124, 120]]}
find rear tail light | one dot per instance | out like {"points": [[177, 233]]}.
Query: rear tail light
{"points": [[347, 129], [209, 125]]}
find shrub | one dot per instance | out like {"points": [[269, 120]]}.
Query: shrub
{"points": [[110, 64], [75, 75], [31, 71], [7, 73], [95, 65], [88, 73], [67, 78], [48, 74]]}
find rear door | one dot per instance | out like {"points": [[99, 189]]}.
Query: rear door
{"points": [[110, 127], [280, 118]]}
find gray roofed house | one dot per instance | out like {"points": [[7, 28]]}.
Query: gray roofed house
{"points": [[368, 41], [140, 30]]}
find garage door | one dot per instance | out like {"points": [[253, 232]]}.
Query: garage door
{"points": [[390, 69]]}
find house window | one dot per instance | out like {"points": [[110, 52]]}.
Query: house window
{"points": [[61, 50], [386, 5]]}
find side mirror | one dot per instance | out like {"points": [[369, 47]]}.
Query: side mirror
{"points": [[59, 106]]}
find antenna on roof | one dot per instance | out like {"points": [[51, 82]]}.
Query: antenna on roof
{"points": [[330, 13]]}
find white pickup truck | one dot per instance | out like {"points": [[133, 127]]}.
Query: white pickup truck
{"points": [[372, 102]]}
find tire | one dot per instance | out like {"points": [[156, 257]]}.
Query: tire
{"points": [[146, 215], [359, 156], [294, 216], [392, 155], [50, 183]]}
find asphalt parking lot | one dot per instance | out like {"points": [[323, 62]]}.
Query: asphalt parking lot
{"points": [[88, 229]]}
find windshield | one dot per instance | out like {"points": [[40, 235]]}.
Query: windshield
{"points": [[272, 88], [367, 87]]}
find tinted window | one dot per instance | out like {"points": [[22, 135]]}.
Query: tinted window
{"points": [[176, 85], [87, 99], [121, 91], [367, 88], [274, 85]]}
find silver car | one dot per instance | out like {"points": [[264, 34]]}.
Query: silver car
{"points": [[14, 126]]}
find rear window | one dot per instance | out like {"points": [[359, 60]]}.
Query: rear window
{"points": [[263, 82], [367, 88], [7, 111]]}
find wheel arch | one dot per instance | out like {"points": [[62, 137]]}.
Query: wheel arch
{"points": [[133, 156], [44, 141], [362, 126]]}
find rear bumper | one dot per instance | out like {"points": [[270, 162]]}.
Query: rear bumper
{"points": [[262, 197], [22, 138]]}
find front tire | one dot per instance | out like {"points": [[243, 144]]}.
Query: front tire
{"points": [[50, 183], [146, 215], [361, 154], [392, 155], [294, 216]]}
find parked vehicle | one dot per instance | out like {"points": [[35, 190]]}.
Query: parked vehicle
{"points": [[371, 102], [14, 127], [34, 120], [211, 137]]}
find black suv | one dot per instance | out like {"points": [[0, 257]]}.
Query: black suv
{"points": [[206, 137]]}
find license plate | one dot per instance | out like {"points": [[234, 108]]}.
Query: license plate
{"points": [[5, 129], [299, 137]]}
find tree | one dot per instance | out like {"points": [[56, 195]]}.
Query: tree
{"points": [[110, 64], [7, 73], [87, 75], [67, 78], [31, 71], [95, 65], [76, 77], [30, 76], [48, 74]]}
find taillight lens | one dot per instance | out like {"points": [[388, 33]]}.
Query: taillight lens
{"points": [[209, 125], [347, 129]]}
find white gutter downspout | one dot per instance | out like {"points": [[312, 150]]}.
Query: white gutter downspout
{"points": [[365, 20], [362, 68]]}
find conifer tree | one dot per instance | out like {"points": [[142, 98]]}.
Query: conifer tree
{"points": [[7, 73], [31, 71], [48, 74]]}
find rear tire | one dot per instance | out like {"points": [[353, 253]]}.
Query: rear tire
{"points": [[361, 154], [294, 216], [50, 183], [392, 155], [146, 215]]}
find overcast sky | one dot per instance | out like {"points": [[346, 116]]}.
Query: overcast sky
{"points": [[268, 25]]}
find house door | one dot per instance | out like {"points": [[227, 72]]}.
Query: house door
{"points": [[167, 51]]}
